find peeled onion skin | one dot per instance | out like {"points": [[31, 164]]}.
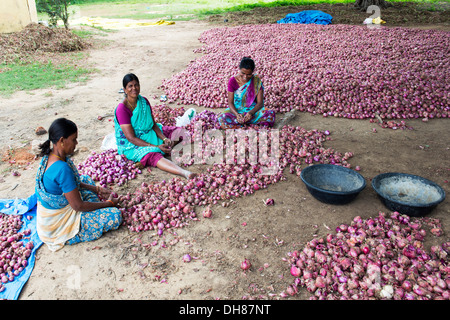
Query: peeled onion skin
{"points": [[376, 258]]}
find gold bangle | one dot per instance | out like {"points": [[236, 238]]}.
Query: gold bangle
{"points": [[111, 202]]}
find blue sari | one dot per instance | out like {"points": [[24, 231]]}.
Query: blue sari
{"points": [[55, 216]]}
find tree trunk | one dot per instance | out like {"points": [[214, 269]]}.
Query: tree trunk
{"points": [[364, 4], [65, 14]]}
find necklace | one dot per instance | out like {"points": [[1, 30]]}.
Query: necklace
{"points": [[130, 105], [57, 156]]}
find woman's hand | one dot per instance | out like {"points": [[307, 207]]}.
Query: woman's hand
{"points": [[168, 142], [247, 117], [165, 148], [240, 118], [115, 201], [104, 193], [75, 201]]}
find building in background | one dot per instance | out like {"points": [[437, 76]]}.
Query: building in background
{"points": [[16, 14]]}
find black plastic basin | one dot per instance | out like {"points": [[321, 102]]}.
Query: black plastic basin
{"points": [[332, 184], [407, 193]]}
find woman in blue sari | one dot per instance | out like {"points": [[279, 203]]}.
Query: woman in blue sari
{"points": [[69, 210], [246, 100]]}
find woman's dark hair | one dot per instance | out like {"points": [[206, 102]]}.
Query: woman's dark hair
{"points": [[61, 127], [129, 77], [247, 63]]}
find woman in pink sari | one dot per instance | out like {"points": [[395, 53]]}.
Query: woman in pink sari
{"points": [[246, 100]]}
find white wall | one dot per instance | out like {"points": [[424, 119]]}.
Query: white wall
{"points": [[16, 14]]}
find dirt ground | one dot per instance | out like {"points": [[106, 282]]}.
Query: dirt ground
{"points": [[121, 264]]}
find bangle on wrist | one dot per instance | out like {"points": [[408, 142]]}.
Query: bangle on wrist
{"points": [[110, 201]]}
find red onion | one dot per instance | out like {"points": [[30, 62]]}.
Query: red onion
{"points": [[295, 271], [207, 213], [187, 258], [245, 265]]}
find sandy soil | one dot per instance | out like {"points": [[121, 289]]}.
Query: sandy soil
{"points": [[120, 265]]}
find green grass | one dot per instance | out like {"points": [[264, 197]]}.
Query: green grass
{"points": [[271, 4], [157, 9], [87, 34], [14, 77], [191, 9], [279, 3]]}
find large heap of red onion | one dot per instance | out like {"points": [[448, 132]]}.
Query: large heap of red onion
{"points": [[335, 70], [376, 258], [167, 204], [14, 252], [296, 143]]}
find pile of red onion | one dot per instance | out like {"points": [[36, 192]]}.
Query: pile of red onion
{"points": [[207, 118], [393, 74], [166, 115], [168, 204], [14, 252], [171, 204], [297, 144], [376, 258], [108, 168], [300, 145]]}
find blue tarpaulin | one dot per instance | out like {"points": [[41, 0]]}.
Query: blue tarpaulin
{"points": [[26, 208], [307, 16]]}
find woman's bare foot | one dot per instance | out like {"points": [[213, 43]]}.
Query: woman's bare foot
{"points": [[192, 175], [189, 175]]}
